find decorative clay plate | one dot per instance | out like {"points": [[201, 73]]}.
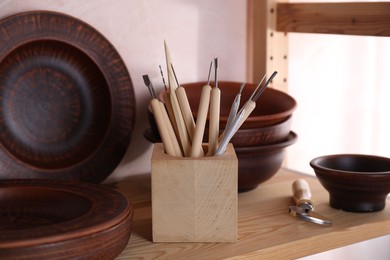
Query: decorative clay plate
{"points": [[67, 105], [57, 219]]}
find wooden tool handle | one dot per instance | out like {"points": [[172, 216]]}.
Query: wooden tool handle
{"points": [[196, 149], [301, 192], [249, 107], [236, 124], [214, 120], [171, 132], [168, 105], [162, 128], [183, 135], [186, 110]]}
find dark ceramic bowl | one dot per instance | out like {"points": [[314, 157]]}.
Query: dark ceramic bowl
{"points": [[357, 183], [257, 164], [244, 137], [272, 107], [263, 135]]}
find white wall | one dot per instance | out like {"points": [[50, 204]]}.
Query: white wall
{"points": [[196, 31]]}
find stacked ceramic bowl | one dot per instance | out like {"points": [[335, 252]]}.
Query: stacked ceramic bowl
{"points": [[261, 141]]}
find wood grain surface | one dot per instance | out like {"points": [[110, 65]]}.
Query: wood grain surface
{"points": [[265, 228], [372, 19], [194, 199]]}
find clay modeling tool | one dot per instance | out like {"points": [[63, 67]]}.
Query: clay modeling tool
{"points": [[164, 127], [185, 108], [196, 148], [168, 105], [215, 100], [234, 107], [304, 207], [233, 111], [162, 77], [242, 115], [183, 137]]}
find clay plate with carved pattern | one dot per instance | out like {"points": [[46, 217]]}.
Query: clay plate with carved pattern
{"points": [[67, 105]]}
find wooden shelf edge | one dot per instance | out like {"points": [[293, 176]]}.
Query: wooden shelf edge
{"points": [[352, 18]]}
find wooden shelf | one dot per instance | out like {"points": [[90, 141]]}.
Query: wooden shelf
{"points": [[265, 228], [359, 18]]}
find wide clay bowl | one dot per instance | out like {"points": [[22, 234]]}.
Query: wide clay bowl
{"points": [[53, 219], [257, 164], [355, 182], [272, 107], [262, 135], [243, 137], [67, 105]]}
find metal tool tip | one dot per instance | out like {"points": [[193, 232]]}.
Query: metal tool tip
{"points": [[146, 79], [242, 87]]}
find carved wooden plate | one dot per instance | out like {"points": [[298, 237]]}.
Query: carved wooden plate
{"points": [[57, 219], [67, 105]]}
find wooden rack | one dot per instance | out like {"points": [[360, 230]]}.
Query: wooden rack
{"points": [[364, 18]]}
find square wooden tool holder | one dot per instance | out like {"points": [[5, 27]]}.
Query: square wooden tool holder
{"points": [[194, 199]]}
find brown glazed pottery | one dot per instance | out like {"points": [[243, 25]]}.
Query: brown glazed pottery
{"points": [[257, 164], [53, 219], [261, 136], [355, 182], [243, 137], [67, 105], [272, 107]]}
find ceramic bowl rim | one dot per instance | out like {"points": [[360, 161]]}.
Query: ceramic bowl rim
{"points": [[253, 118], [291, 139], [315, 164]]}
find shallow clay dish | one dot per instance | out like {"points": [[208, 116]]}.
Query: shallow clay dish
{"points": [[355, 182], [51, 219], [272, 107], [66, 99]]}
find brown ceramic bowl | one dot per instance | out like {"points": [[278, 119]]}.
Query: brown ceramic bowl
{"points": [[257, 164], [357, 183], [243, 137], [272, 107], [53, 219], [261, 136]]}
